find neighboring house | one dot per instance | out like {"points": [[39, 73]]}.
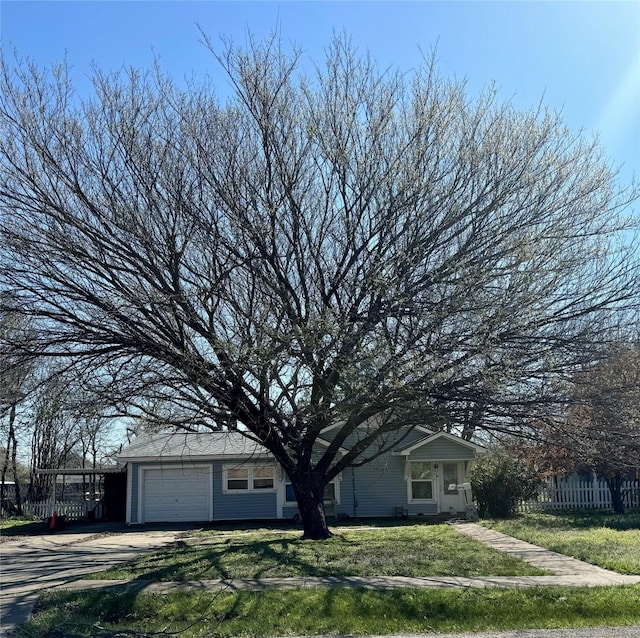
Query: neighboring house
{"points": [[217, 476]]}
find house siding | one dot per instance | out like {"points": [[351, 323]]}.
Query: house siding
{"points": [[238, 506], [442, 450], [380, 487]]}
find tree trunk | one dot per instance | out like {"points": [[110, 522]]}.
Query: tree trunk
{"points": [[10, 449], [310, 497], [14, 462], [5, 466], [615, 487]]}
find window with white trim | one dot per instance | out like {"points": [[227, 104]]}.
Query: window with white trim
{"points": [[248, 478], [421, 481]]}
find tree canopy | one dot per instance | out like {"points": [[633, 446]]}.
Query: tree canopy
{"points": [[348, 246]]}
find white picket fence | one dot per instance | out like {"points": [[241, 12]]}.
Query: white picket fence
{"points": [[72, 511], [569, 493]]}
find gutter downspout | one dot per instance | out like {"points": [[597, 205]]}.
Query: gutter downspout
{"points": [[353, 487]]}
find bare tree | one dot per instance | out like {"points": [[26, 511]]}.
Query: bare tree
{"points": [[45, 413], [370, 249], [53, 435], [15, 374]]}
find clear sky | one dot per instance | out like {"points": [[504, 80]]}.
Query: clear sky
{"points": [[580, 57]]}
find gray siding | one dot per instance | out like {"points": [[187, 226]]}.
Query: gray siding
{"points": [[380, 486], [442, 450], [252, 505], [346, 493]]}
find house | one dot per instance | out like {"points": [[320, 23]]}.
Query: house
{"points": [[216, 476]]}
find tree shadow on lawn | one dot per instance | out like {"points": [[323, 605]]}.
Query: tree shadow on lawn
{"points": [[78, 614], [226, 560]]}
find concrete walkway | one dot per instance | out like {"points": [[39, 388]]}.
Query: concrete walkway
{"points": [[565, 567]]}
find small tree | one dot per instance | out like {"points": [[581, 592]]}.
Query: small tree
{"points": [[500, 482], [601, 430]]}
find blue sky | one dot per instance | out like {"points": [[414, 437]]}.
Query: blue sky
{"points": [[580, 57]]}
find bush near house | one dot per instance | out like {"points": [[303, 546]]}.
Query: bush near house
{"points": [[500, 481]]}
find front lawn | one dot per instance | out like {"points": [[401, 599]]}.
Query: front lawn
{"points": [[597, 537], [21, 525], [412, 550], [324, 611]]}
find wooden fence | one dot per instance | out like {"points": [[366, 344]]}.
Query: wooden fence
{"points": [[72, 511], [568, 493]]}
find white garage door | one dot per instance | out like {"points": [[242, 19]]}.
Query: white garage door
{"points": [[176, 494]]}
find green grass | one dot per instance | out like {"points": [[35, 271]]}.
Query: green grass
{"points": [[19, 525], [330, 611], [417, 550], [597, 537]]}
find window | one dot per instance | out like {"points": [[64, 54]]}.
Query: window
{"points": [[238, 479], [329, 493], [421, 482], [262, 478], [249, 478], [450, 477]]}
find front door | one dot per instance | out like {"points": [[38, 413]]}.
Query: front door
{"points": [[451, 499]]}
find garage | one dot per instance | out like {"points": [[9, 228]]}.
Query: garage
{"points": [[176, 494]]}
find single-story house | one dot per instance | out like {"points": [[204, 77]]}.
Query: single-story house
{"points": [[217, 476]]}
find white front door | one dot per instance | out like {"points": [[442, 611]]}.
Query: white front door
{"points": [[451, 499]]}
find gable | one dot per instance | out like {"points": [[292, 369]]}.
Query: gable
{"points": [[442, 447]]}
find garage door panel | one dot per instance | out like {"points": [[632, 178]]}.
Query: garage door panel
{"points": [[176, 494]]}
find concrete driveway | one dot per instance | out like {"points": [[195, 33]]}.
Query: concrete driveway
{"points": [[31, 564]]}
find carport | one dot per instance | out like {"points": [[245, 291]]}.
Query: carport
{"points": [[114, 490]]}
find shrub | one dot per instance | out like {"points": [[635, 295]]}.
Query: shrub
{"points": [[499, 482]]}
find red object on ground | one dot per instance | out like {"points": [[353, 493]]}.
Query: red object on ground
{"points": [[54, 518]]}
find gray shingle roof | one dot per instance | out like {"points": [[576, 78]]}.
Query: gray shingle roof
{"points": [[181, 445]]}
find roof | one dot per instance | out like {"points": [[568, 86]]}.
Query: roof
{"points": [[82, 471], [180, 445], [337, 424], [438, 435]]}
